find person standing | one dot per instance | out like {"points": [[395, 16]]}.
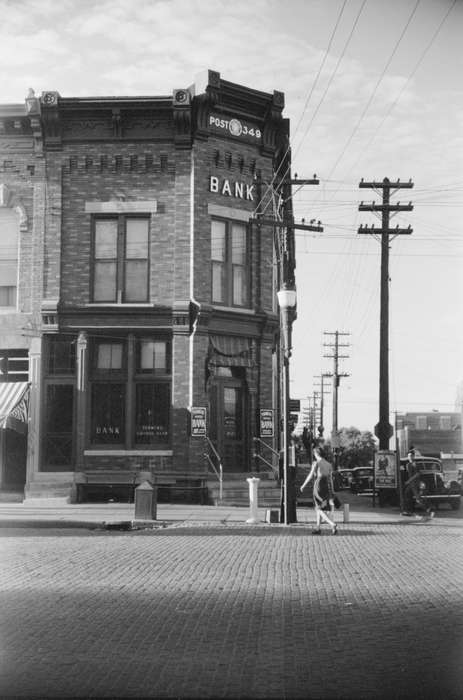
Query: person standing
{"points": [[323, 494]]}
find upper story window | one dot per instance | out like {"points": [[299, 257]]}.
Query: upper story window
{"points": [[421, 423], [445, 422], [229, 263], [121, 259], [9, 240]]}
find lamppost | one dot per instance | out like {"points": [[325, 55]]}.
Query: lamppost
{"points": [[286, 302]]}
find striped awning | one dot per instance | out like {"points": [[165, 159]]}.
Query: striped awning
{"points": [[14, 406]]}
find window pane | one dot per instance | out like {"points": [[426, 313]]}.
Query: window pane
{"points": [[8, 296], [218, 240], [239, 286], [153, 356], [217, 282], [105, 239], [58, 431], [152, 413], [109, 356], [104, 283], [136, 238], [238, 244], [61, 356], [9, 231], [108, 414], [136, 280]]}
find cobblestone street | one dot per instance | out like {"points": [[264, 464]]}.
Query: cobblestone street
{"points": [[233, 611]]}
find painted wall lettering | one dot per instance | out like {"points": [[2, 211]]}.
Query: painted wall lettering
{"points": [[231, 189]]}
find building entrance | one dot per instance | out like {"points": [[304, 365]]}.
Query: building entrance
{"points": [[228, 423]]}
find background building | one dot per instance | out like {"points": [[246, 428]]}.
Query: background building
{"points": [[431, 433], [144, 292]]}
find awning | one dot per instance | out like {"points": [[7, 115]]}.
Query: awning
{"points": [[14, 406], [229, 351]]}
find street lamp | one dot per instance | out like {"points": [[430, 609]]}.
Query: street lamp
{"points": [[286, 302]]}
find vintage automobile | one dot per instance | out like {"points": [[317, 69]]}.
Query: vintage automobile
{"points": [[362, 480], [432, 484], [342, 479]]}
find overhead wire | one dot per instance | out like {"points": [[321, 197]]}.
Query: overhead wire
{"points": [[270, 185], [378, 83]]}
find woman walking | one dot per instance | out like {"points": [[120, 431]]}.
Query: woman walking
{"points": [[323, 495]]}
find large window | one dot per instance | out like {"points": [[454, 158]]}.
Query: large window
{"points": [[120, 259], [9, 232], [229, 259], [130, 392]]}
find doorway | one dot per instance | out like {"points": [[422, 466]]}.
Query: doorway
{"points": [[228, 425]]}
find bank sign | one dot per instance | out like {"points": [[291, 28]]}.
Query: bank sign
{"points": [[230, 188], [235, 127]]}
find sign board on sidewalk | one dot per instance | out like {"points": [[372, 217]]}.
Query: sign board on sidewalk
{"points": [[198, 421], [266, 422], [385, 469]]}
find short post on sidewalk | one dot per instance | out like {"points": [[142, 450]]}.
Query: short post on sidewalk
{"points": [[253, 512], [145, 501]]}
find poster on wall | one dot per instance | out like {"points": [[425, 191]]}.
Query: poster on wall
{"points": [[266, 422], [198, 421], [385, 469]]}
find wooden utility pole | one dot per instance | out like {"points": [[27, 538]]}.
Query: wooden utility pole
{"points": [[323, 391], [283, 224], [383, 429], [336, 379]]}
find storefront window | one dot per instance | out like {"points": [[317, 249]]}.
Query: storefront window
{"points": [[152, 413], [130, 392], [108, 413]]}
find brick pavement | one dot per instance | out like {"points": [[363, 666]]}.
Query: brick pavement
{"points": [[233, 611]]}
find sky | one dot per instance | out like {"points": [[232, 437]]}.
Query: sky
{"points": [[372, 90]]}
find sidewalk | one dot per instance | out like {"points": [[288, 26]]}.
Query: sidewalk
{"points": [[92, 515]]}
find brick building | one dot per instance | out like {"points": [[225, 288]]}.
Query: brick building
{"points": [[432, 433], [146, 296]]}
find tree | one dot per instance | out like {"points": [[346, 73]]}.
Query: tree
{"points": [[356, 448]]}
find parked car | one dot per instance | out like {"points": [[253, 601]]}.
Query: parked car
{"points": [[433, 485], [362, 480], [342, 479]]}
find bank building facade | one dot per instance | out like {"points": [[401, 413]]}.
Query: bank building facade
{"points": [[140, 333]]}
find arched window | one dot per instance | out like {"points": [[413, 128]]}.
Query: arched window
{"points": [[9, 242]]}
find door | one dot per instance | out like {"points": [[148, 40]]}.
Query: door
{"points": [[228, 423]]}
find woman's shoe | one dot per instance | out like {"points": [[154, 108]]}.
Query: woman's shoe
{"points": [[334, 530], [317, 531]]}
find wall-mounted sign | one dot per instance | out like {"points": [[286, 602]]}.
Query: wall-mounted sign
{"points": [[266, 422], [235, 127], [198, 421], [229, 188], [385, 469]]}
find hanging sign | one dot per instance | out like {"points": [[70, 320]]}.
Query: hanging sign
{"points": [[198, 421], [266, 422], [385, 469]]}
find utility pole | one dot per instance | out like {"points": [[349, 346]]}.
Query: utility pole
{"points": [[336, 380], [383, 429], [323, 391], [283, 224]]}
